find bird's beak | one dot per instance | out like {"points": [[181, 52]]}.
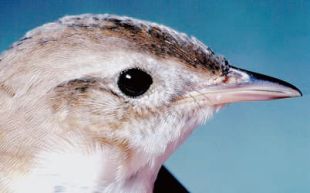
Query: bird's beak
{"points": [[242, 85]]}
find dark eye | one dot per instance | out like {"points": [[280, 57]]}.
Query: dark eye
{"points": [[134, 82]]}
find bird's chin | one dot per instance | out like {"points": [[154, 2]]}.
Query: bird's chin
{"points": [[194, 118]]}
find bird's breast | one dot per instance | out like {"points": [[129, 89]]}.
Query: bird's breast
{"points": [[101, 170], [72, 172]]}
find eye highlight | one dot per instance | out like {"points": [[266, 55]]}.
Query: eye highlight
{"points": [[134, 82]]}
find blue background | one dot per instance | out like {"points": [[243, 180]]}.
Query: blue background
{"points": [[257, 147]]}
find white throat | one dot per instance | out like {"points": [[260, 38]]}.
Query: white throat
{"points": [[76, 172], [68, 169]]}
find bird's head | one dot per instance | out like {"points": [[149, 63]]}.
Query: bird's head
{"points": [[116, 81]]}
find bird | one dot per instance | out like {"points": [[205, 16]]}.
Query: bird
{"points": [[95, 103]]}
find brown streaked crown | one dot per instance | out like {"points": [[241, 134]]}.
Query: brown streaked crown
{"points": [[150, 37]]}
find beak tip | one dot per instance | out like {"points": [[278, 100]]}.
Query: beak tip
{"points": [[298, 92], [294, 91]]}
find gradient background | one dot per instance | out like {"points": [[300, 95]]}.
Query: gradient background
{"points": [[257, 147]]}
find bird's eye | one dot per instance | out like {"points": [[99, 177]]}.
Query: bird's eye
{"points": [[134, 82]]}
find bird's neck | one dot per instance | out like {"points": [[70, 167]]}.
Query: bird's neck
{"points": [[102, 171], [71, 168]]}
